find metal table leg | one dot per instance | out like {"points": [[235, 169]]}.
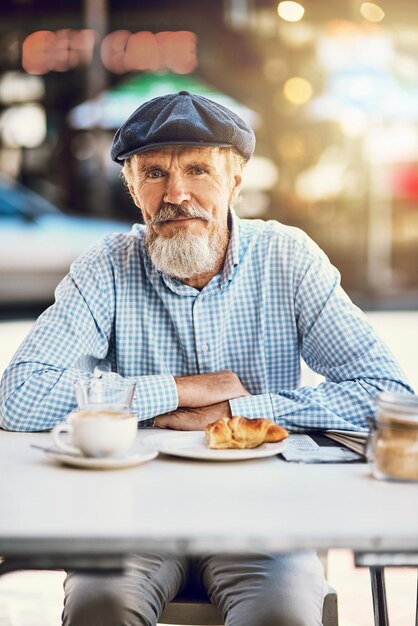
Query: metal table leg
{"points": [[416, 610], [380, 609]]}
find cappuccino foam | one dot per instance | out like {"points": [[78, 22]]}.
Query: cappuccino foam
{"points": [[103, 413]]}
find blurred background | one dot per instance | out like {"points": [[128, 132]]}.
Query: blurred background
{"points": [[330, 88]]}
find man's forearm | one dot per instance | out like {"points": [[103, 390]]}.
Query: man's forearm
{"points": [[203, 390], [193, 419], [203, 398]]}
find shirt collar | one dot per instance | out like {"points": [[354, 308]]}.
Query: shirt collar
{"points": [[232, 254]]}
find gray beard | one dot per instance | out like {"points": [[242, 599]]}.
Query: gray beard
{"points": [[185, 255]]}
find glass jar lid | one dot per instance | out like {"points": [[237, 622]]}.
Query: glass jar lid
{"points": [[397, 409]]}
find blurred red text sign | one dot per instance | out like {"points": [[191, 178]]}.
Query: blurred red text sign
{"points": [[121, 51]]}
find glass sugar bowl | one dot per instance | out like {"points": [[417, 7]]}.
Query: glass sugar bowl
{"points": [[393, 442]]}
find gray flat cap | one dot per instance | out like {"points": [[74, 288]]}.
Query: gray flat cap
{"points": [[182, 119]]}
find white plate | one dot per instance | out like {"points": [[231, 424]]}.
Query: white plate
{"points": [[192, 445], [144, 455]]}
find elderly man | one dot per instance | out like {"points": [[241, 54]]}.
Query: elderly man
{"points": [[210, 315]]}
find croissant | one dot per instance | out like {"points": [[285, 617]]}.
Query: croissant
{"points": [[241, 432]]}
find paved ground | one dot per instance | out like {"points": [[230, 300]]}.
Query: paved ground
{"points": [[35, 598]]}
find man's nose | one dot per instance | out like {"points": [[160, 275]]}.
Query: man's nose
{"points": [[176, 190]]}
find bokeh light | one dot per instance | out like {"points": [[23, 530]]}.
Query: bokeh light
{"points": [[297, 90], [372, 12], [297, 35], [353, 122], [23, 126], [290, 11], [324, 180], [260, 174], [19, 87]]}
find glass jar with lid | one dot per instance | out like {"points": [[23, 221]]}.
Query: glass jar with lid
{"points": [[393, 442]]}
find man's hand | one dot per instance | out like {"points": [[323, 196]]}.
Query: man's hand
{"points": [[202, 390], [193, 419]]}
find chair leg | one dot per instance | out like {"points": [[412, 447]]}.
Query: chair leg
{"points": [[380, 609]]}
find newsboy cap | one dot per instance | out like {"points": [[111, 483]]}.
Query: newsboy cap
{"points": [[181, 119]]}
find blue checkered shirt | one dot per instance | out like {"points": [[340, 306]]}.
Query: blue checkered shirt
{"points": [[277, 299]]}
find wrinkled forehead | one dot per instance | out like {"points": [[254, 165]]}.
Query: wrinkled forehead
{"points": [[181, 153]]}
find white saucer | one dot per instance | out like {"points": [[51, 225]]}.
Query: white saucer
{"points": [[142, 456]]}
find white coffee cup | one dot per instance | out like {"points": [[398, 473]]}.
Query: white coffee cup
{"points": [[97, 433]]}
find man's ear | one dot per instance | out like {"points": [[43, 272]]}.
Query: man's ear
{"points": [[237, 181]]}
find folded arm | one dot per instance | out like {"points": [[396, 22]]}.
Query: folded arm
{"points": [[203, 399], [68, 341], [338, 342]]}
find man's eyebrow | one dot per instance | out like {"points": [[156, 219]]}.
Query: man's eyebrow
{"points": [[149, 165], [144, 167], [199, 163]]}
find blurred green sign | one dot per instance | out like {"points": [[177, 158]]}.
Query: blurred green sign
{"points": [[114, 106]]}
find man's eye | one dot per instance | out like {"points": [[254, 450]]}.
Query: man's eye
{"points": [[155, 174], [198, 170]]}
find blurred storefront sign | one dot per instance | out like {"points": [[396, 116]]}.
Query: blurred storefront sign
{"points": [[121, 51], [113, 107]]}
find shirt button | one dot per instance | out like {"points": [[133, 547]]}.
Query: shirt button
{"points": [[205, 347]]}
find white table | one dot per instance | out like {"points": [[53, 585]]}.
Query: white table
{"points": [[180, 505], [54, 516]]}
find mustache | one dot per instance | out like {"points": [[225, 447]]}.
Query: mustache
{"points": [[168, 211]]}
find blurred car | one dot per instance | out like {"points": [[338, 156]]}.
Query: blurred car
{"points": [[38, 242]]}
